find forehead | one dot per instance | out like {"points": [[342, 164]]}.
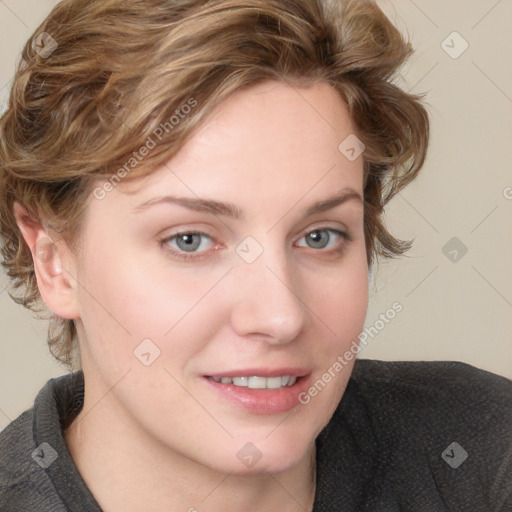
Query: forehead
{"points": [[272, 140]]}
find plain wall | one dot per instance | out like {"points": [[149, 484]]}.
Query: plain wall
{"points": [[452, 310]]}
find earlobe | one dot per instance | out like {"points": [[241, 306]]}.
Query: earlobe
{"points": [[53, 266]]}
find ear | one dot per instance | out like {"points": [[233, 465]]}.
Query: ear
{"points": [[54, 266]]}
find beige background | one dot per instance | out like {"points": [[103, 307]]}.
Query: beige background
{"points": [[451, 310]]}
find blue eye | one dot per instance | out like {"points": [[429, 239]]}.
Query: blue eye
{"points": [[321, 237], [190, 245], [187, 243]]}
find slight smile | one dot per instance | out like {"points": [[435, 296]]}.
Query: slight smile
{"points": [[261, 391]]}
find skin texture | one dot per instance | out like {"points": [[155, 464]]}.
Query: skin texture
{"points": [[158, 437]]}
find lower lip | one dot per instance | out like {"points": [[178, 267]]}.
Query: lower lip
{"points": [[262, 401]]}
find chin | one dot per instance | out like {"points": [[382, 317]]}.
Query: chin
{"points": [[273, 454]]}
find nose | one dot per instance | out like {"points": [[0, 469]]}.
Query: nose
{"points": [[267, 302]]}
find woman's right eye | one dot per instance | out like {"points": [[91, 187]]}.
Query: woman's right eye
{"points": [[186, 244]]}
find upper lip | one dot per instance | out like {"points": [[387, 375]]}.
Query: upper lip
{"points": [[263, 372]]}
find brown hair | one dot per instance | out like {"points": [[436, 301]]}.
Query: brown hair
{"points": [[99, 79]]}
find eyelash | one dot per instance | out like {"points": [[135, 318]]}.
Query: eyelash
{"points": [[194, 256]]}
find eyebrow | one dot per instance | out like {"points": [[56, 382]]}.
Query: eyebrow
{"points": [[231, 210]]}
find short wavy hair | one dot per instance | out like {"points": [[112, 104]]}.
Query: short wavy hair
{"points": [[99, 77]]}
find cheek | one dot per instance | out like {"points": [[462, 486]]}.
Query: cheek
{"points": [[125, 300], [342, 309], [340, 300]]}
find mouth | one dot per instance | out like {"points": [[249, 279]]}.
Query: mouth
{"points": [[258, 382], [261, 391]]}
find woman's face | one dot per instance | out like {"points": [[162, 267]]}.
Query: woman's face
{"points": [[176, 295]]}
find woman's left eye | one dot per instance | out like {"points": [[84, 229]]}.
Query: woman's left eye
{"points": [[321, 238]]}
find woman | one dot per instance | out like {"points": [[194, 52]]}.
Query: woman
{"points": [[195, 191]]}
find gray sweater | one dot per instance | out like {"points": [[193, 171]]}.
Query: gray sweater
{"points": [[406, 436]]}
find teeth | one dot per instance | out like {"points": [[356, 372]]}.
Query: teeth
{"points": [[240, 381], [255, 382], [274, 382]]}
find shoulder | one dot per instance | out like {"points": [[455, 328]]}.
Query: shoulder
{"points": [[20, 476], [24, 481], [14, 439], [441, 396], [446, 420], [432, 384]]}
